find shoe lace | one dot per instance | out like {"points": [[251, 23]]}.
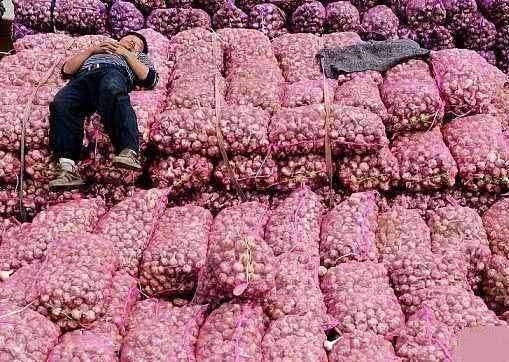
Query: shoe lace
{"points": [[67, 175]]}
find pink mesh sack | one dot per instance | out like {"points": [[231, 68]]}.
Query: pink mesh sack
{"points": [[234, 331], [461, 229], [148, 5], [87, 17], [423, 269], [300, 131], [380, 23], [367, 172], [36, 14], [379, 308], [425, 162], [15, 95], [130, 224], [401, 232], [425, 338], [75, 280], [342, 16], [305, 93], [341, 39], [426, 202], [170, 22], [29, 242], [9, 167], [295, 171], [466, 81], [478, 145], [496, 224], [162, 332], [348, 231], [296, 54], [177, 252], [267, 18], [189, 172], [194, 91], [25, 335], [244, 130], [295, 224], [351, 275], [250, 173], [495, 284], [123, 297], [257, 83], [229, 16], [418, 12], [362, 93], [297, 291], [36, 129], [359, 297], [309, 18], [439, 38], [413, 69], [124, 17], [294, 338], [241, 45], [199, 49], [112, 193], [216, 200], [19, 288], [239, 261], [412, 105], [362, 347], [456, 307], [30, 68], [83, 345], [37, 197]]}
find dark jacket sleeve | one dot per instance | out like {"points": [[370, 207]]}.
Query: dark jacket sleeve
{"points": [[151, 81], [152, 78]]}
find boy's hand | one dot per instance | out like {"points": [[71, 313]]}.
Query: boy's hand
{"points": [[114, 47]]}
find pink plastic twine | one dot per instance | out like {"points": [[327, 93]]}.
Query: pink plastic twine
{"points": [[238, 325], [126, 307], [431, 337], [187, 332]]}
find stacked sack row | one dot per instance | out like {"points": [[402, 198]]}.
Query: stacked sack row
{"points": [[234, 112], [31, 79], [428, 113], [482, 26], [146, 282]]}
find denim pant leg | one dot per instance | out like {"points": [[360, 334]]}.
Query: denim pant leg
{"points": [[114, 107], [67, 116]]}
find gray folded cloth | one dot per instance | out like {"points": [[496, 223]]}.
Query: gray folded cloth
{"points": [[372, 55]]}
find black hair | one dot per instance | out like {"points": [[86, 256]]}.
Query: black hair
{"points": [[141, 37]]}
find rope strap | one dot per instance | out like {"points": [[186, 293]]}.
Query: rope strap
{"points": [[328, 150]]}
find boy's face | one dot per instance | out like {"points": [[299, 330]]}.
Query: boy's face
{"points": [[132, 43]]}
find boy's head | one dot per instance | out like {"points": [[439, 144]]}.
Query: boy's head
{"points": [[134, 42]]}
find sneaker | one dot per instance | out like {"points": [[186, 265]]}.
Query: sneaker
{"points": [[66, 180], [127, 159]]}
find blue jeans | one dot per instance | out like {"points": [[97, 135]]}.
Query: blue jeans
{"points": [[105, 90]]}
